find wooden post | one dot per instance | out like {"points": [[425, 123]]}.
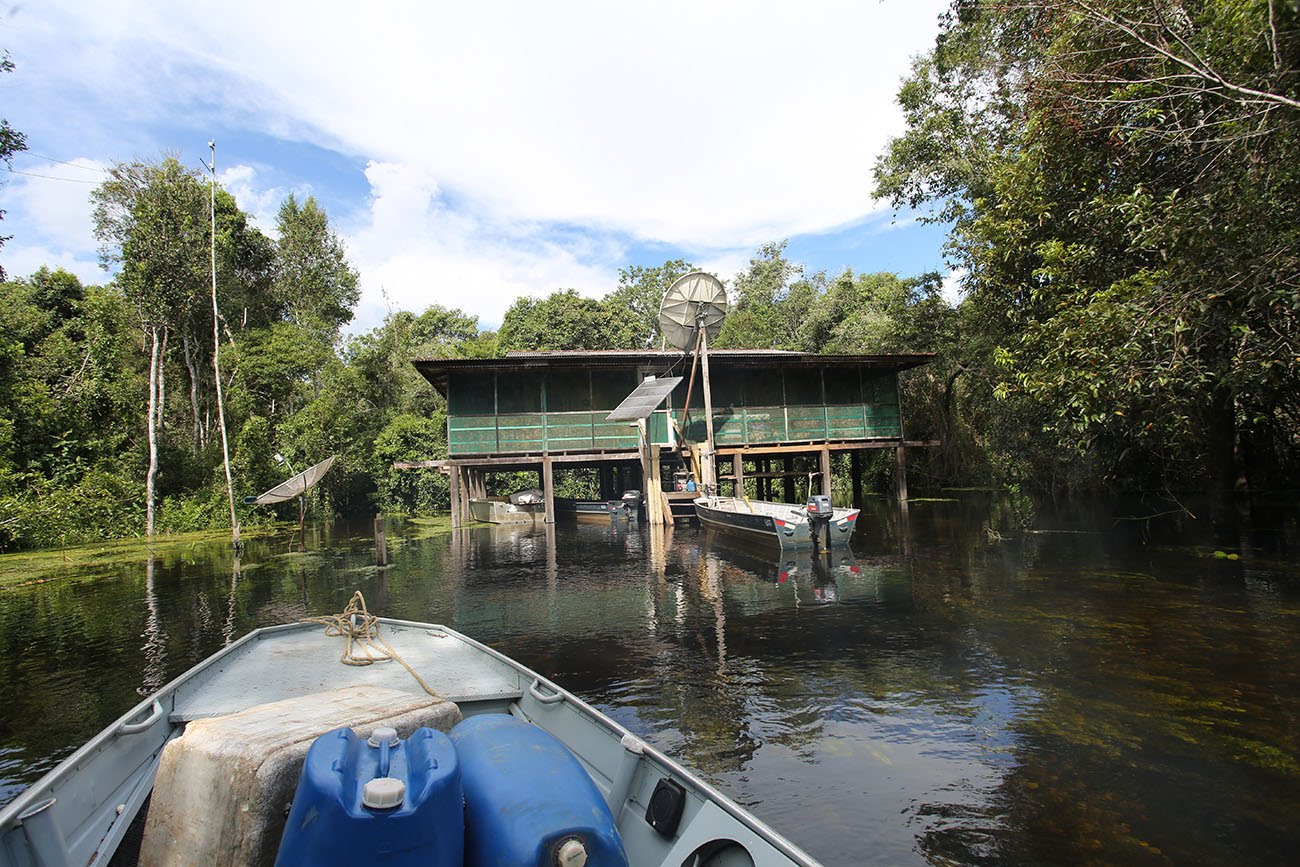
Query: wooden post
{"points": [[787, 483], [381, 545], [708, 467], [738, 470], [453, 479], [653, 488], [900, 478], [855, 474], [548, 490], [826, 471]]}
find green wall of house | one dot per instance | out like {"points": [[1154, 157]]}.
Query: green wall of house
{"points": [[530, 412]]}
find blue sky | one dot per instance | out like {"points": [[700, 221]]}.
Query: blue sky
{"points": [[472, 153]]}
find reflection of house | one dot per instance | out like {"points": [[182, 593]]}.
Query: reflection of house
{"points": [[543, 409]]}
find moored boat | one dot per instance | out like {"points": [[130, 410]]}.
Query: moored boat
{"points": [[785, 524], [182, 767], [499, 510], [627, 507]]}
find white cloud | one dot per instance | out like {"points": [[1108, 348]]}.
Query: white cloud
{"points": [[262, 204], [413, 251], [952, 289], [57, 204], [50, 219], [25, 260], [513, 148]]}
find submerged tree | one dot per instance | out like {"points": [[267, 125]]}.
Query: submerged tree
{"points": [[155, 221], [155, 215], [1124, 183]]}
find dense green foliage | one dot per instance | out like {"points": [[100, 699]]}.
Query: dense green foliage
{"points": [[1123, 179]]}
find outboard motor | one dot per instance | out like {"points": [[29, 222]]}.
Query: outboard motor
{"points": [[819, 511], [632, 503]]}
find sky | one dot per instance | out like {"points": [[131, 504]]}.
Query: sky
{"points": [[472, 153]]}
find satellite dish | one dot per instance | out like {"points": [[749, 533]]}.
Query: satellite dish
{"points": [[294, 487], [693, 300]]}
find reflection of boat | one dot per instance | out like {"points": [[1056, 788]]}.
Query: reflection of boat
{"points": [[607, 797], [786, 524], [628, 506], [817, 572], [499, 510]]}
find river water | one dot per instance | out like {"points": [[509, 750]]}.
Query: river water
{"points": [[1094, 691]]}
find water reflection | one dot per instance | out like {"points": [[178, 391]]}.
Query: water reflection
{"points": [[1120, 696]]}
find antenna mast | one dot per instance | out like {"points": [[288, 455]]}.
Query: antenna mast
{"points": [[216, 348]]}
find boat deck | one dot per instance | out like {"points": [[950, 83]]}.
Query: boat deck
{"points": [[301, 659]]}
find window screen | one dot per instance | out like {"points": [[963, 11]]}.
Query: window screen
{"points": [[568, 391], [470, 393], [519, 392], [842, 386], [803, 386]]}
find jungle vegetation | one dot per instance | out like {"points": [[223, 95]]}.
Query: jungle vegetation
{"points": [[1121, 179]]}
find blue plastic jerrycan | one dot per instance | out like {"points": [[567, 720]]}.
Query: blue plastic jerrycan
{"points": [[528, 800], [380, 800]]}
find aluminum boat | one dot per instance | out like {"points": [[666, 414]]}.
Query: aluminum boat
{"points": [[267, 690]]}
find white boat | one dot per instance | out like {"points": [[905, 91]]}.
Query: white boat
{"points": [[788, 525], [80, 813], [499, 510]]}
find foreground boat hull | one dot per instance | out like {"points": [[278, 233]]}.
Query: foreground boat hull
{"points": [[80, 812]]}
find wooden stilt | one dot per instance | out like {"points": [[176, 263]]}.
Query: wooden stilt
{"points": [[654, 489], [738, 470], [855, 476], [787, 483], [453, 479], [825, 456], [548, 490], [381, 544], [900, 478]]}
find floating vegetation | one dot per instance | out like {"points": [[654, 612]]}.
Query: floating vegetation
{"points": [[80, 562]]}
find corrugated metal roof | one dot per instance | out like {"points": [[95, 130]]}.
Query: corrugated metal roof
{"points": [[436, 369]]}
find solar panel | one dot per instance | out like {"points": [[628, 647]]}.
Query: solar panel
{"points": [[644, 399]]}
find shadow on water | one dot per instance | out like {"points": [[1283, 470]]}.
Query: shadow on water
{"points": [[972, 691]]}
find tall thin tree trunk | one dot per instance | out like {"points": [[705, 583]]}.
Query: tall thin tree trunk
{"points": [[188, 347], [162, 380], [153, 433]]}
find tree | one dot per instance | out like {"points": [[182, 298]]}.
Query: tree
{"points": [[567, 320], [641, 290], [11, 142], [155, 221], [313, 282], [772, 297], [1123, 181], [155, 216]]}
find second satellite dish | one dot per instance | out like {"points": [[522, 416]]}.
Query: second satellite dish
{"points": [[695, 299]]}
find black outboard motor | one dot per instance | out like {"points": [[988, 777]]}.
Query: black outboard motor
{"points": [[819, 511], [632, 504]]}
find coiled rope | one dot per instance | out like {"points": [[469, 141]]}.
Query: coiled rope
{"points": [[364, 646]]}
